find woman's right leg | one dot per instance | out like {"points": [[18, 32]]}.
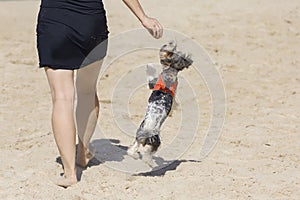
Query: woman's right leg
{"points": [[61, 84], [87, 109]]}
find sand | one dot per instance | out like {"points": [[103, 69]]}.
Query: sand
{"points": [[255, 49]]}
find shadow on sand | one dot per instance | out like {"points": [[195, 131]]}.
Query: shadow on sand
{"points": [[161, 170], [110, 150]]}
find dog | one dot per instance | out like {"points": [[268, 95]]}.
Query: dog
{"points": [[160, 101]]}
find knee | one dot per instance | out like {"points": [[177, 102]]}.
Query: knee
{"points": [[86, 91], [63, 97]]}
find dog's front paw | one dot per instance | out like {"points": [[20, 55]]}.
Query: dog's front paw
{"points": [[133, 152]]}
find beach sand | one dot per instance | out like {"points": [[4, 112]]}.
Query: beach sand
{"points": [[255, 48]]}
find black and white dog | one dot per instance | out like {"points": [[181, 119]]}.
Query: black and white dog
{"points": [[160, 101]]}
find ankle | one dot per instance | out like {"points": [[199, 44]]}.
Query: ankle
{"points": [[70, 173]]}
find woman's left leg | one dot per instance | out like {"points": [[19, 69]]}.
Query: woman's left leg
{"points": [[62, 89]]}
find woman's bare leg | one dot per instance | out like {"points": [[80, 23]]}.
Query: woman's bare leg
{"points": [[87, 110], [62, 89]]}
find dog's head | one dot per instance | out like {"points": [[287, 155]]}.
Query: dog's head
{"points": [[171, 58]]}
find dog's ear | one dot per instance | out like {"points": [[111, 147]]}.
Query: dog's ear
{"points": [[181, 61]]}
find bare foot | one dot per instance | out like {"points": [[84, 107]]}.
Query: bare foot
{"points": [[65, 181], [83, 157]]}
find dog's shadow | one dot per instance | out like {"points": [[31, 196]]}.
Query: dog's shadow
{"points": [[110, 150], [164, 166]]}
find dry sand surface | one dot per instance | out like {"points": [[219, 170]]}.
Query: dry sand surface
{"points": [[255, 46]]}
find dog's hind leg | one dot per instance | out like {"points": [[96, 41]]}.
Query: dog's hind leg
{"points": [[133, 150], [148, 155]]}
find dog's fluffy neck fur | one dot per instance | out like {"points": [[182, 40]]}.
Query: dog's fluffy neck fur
{"points": [[169, 75]]}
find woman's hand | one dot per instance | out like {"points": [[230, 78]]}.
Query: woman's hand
{"points": [[153, 26]]}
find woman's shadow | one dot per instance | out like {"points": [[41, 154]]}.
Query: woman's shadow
{"points": [[104, 150], [110, 150]]}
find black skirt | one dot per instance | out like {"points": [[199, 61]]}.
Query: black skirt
{"points": [[71, 33]]}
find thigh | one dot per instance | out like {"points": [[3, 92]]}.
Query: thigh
{"points": [[87, 77], [61, 83]]}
